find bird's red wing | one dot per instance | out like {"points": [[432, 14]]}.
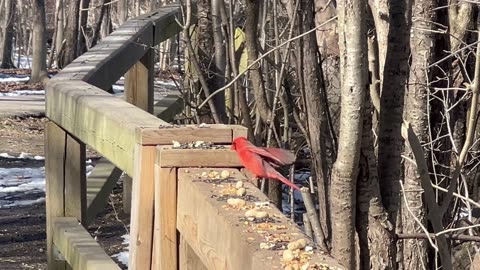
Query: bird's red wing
{"points": [[275, 156]]}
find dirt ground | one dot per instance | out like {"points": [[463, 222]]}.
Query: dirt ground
{"points": [[22, 229]]}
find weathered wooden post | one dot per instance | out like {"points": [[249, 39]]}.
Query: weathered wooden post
{"points": [[139, 92], [65, 183], [141, 221]]}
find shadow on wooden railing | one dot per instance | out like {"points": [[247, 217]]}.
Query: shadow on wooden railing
{"points": [[179, 219]]}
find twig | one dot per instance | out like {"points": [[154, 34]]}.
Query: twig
{"points": [[433, 209], [313, 217], [427, 234], [460, 237], [263, 56], [475, 88]]}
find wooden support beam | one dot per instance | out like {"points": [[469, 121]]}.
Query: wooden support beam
{"points": [[139, 83], [164, 135], [141, 221], [220, 237], [100, 184], [65, 182], [139, 92], [75, 179], [165, 255], [78, 247], [168, 157], [168, 107], [54, 173]]}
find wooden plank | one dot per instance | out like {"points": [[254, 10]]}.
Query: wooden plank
{"points": [[103, 121], [55, 141], [168, 157], [219, 236], [168, 107], [166, 134], [75, 179], [139, 83], [100, 184], [105, 63], [188, 260], [78, 247], [165, 255], [139, 92], [141, 221]]}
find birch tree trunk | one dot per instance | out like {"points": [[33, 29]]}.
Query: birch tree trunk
{"points": [[59, 27], [354, 83], [39, 62]]}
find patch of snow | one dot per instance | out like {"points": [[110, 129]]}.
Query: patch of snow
{"points": [[14, 78], [23, 180], [22, 61], [23, 93], [22, 155], [17, 181], [166, 83], [23, 203], [5, 155], [122, 256], [118, 88]]}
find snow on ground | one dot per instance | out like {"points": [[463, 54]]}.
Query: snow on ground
{"points": [[22, 61], [13, 78], [24, 186], [123, 255], [22, 93]]}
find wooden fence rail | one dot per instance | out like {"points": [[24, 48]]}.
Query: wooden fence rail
{"points": [[177, 220]]}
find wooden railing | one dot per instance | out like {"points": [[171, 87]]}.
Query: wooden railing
{"points": [[179, 219]]}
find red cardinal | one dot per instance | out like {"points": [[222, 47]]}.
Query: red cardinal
{"points": [[261, 161]]}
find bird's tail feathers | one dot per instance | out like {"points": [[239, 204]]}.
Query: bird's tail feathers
{"points": [[284, 180]]}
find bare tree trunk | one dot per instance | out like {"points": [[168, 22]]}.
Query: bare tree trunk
{"points": [[395, 75], [422, 42], [375, 232], [122, 11], [219, 58], [82, 45], [6, 50], [71, 35], [354, 74], [98, 26], [315, 110], [251, 24], [39, 65], [59, 27]]}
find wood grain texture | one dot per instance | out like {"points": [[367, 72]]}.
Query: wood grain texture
{"points": [[168, 157], [78, 247], [55, 142], [141, 221], [103, 121], [139, 83], [216, 234], [139, 92], [75, 179], [165, 255], [188, 260], [183, 134]]}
